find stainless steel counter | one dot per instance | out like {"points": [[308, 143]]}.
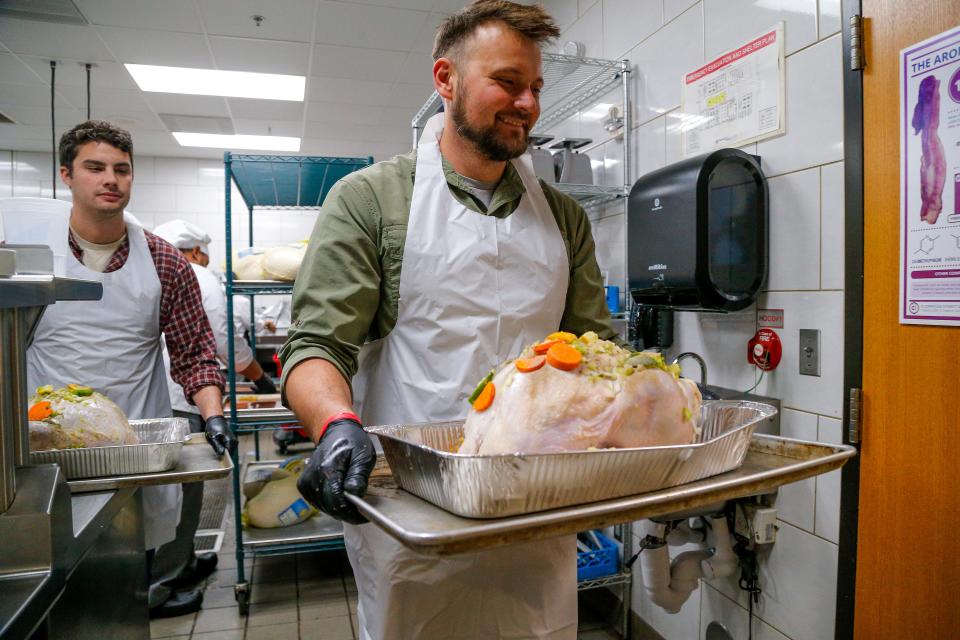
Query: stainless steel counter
{"points": [[59, 550], [51, 540]]}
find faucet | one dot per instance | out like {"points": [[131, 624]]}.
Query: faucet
{"points": [[700, 361]]}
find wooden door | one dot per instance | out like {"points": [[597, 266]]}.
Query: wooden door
{"points": [[908, 551]]}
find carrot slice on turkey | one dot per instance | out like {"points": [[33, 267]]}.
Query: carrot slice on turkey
{"points": [[544, 346], [528, 365], [485, 399], [564, 357]]}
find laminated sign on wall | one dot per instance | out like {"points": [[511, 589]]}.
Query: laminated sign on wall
{"points": [[930, 181], [737, 98]]}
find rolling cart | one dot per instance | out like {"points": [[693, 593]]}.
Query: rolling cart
{"points": [[277, 184]]}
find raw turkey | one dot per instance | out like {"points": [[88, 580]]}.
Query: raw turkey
{"points": [[571, 394], [272, 496], [283, 263], [274, 263], [75, 417]]}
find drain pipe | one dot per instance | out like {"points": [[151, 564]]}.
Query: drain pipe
{"points": [[723, 562], [668, 584]]}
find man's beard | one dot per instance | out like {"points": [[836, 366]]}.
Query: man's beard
{"points": [[485, 139]]}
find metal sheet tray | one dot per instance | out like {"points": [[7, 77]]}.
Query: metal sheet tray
{"points": [[318, 528], [494, 486], [419, 525], [159, 450], [269, 410], [197, 463]]}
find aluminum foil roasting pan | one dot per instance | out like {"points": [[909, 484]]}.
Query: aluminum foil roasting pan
{"points": [[159, 450], [494, 486]]}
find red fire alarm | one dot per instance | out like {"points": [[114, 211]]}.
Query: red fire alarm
{"points": [[765, 349]]}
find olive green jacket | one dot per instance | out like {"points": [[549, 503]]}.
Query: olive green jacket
{"points": [[347, 288]]}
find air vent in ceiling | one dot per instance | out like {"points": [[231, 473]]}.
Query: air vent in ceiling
{"points": [[197, 124], [64, 11], [5, 119]]}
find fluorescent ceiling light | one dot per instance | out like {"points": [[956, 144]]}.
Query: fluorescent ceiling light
{"points": [[210, 82], [223, 141]]}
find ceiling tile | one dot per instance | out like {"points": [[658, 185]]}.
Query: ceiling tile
{"points": [[31, 116], [367, 25], [334, 112], [261, 56], [268, 127], [398, 117], [53, 40], [422, 42], [187, 105], [142, 46], [11, 134], [106, 99], [135, 121], [417, 69], [72, 73], [158, 143], [282, 19], [447, 6], [244, 108], [36, 94], [352, 91], [410, 95], [14, 71], [169, 15], [420, 5], [332, 61]]}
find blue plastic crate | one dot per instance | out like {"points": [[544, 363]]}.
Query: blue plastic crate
{"points": [[600, 562]]}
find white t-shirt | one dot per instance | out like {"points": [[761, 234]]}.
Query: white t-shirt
{"points": [[96, 257]]}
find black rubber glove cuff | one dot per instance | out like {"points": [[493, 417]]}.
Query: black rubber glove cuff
{"points": [[342, 463], [219, 435], [264, 385]]}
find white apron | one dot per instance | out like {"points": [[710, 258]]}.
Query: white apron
{"points": [[113, 345], [474, 289]]}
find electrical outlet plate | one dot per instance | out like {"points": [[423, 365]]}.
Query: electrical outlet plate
{"points": [[809, 352]]}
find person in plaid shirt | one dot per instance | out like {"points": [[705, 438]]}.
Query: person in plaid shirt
{"points": [[150, 293]]}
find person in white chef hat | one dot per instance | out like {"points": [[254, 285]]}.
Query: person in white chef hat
{"points": [[194, 244], [424, 272], [114, 344]]}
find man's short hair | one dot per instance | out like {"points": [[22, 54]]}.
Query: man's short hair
{"points": [[93, 131], [530, 21]]}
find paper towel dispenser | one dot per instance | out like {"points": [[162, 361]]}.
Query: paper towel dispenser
{"points": [[697, 233]]}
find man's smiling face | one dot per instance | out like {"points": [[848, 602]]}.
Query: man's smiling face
{"points": [[496, 98]]}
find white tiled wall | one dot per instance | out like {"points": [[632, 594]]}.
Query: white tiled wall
{"points": [[664, 39], [166, 189]]}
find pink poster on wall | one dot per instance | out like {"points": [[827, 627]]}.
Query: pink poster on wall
{"points": [[930, 181]]}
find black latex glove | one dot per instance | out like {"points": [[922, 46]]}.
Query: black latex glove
{"points": [[218, 435], [264, 385], [342, 462]]}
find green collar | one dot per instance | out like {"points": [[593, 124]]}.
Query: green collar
{"points": [[506, 197]]}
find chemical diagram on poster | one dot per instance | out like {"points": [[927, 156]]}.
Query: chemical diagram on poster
{"points": [[930, 181], [926, 245], [736, 98]]}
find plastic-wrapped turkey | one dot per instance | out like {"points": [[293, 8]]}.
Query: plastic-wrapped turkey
{"points": [[74, 417], [569, 394], [272, 496], [274, 263]]}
